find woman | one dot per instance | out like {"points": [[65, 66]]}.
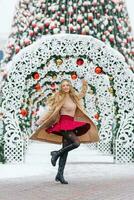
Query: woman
{"points": [[66, 122]]}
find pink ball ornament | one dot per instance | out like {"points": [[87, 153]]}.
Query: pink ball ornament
{"points": [[10, 45], [71, 27], [111, 38], [41, 26], [94, 3], [102, 1], [17, 48], [58, 13], [74, 6], [80, 18], [103, 38], [98, 14], [34, 24], [31, 33], [36, 29], [70, 20], [47, 31], [106, 33], [27, 41], [70, 10], [129, 39], [47, 23], [53, 9], [110, 28], [52, 25], [62, 20], [119, 27], [132, 52], [85, 3], [90, 17]]}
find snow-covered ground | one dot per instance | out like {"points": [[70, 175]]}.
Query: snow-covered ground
{"points": [[37, 163]]}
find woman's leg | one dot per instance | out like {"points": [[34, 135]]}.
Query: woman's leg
{"points": [[62, 162], [70, 137]]}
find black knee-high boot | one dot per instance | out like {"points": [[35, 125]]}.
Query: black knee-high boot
{"points": [[55, 154], [62, 162]]}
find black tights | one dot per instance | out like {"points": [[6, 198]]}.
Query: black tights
{"points": [[69, 140], [69, 137]]}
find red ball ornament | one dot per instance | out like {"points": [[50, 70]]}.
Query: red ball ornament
{"points": [[74, 75], [53, 86], [98, 70], [37, 87], [23, 112], [80, 61], [96, 116], [36, 76]]}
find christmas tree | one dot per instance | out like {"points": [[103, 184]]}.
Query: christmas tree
{"points": [[106, 20]]}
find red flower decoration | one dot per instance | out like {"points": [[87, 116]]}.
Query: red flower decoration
{"points": [[98, 70], [23, 112], [79, 61], [37, 87], [36, 76]]}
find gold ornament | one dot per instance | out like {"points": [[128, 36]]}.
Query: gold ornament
{"points": [[110, 78], [54, 77], [58, 61], [111, 90], [91, 92]]}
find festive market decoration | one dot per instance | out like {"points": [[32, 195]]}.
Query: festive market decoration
{"points": [[100, 102]]}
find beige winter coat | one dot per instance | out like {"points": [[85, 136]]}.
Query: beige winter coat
{"points": [[53, 116]]}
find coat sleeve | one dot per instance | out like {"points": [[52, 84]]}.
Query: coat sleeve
{"points": [[83, 91], [44, 116]]}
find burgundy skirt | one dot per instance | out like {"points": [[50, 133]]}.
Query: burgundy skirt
{"points": [[67, 123]]}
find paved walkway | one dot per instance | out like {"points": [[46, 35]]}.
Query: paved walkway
{"points": [[87, 181]]}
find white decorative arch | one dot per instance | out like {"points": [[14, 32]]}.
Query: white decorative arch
{"points": [[113, 64]]}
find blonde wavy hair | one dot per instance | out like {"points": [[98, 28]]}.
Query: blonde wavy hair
{"points": [[55, 99]]}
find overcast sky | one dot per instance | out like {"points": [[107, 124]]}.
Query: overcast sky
{"points": [[7, 10]]}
